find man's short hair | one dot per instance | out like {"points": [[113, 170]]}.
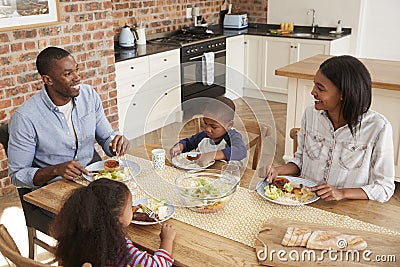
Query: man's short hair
{"points": [[44, 61], [222, 107]]}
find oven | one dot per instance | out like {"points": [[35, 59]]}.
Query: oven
{"points": [[195, 91]]}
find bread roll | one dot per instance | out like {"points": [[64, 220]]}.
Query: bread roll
{"points": [[112, 165]]}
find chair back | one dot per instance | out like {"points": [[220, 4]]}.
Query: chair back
{"points": [[4, 136], [10, 251], [293, 134], [256, 133]]}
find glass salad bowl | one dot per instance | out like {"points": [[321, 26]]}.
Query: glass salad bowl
{"points": [[206, 191]]}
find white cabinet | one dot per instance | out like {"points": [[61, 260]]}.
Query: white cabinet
{"points": [[234, 66], [265, 54], [148, 90]]}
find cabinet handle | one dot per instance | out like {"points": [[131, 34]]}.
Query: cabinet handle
{"points": [[165, 93], [133, 104], [295, 47], [245, 42], [165, 76], [291, 46], [132, 85], [132, 68], [165, 59]]}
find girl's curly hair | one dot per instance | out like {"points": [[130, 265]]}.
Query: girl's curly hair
{"points": [[88, 228]]}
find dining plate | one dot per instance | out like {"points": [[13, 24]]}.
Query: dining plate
{"points": [[134, 169], [288, 202], [171, 211], [182, 162]]}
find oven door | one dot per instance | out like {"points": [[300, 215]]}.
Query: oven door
{"points": [[192, 80]]}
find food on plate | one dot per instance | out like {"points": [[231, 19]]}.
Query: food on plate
{"points": [[284, 191], [159, 208], [193, 156], [111, 165], [319, 239], [119, 175]]}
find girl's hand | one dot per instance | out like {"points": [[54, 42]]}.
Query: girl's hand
{"points": [[328, 192], [167, 232]]}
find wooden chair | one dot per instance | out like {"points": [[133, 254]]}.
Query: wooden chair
{"points": [[256, 133], [293, 134], [11, 252]]}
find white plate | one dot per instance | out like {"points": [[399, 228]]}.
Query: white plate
{"points": [[294, 181], [171, 211], [134, 169], [180, 161]]}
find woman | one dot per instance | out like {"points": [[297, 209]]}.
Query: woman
{"points": [[343, 146]]}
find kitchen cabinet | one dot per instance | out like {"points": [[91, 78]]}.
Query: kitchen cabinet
{"points": [[148, 91], [234, 66], [266, 54]]}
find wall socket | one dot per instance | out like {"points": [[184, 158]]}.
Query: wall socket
{"points": [[189, 13]]}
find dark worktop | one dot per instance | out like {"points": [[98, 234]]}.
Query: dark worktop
{"points": [[322, 33]]}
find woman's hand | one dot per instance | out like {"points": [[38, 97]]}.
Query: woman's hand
{"points": [[328, 192], [268, 172]]}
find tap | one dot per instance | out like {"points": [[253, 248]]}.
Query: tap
{"points": [[313, 26]]}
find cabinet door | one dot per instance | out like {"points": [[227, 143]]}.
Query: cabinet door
{"points": [[254, 60], [309, 48], [279, 53], [234, 66], [164, 60]]}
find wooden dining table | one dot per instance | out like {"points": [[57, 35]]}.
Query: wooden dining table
{"points": [[197, 247]]}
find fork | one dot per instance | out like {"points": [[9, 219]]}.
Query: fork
{"points": [[150, 213]]}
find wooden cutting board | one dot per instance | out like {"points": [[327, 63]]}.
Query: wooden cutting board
{"points": [[384, 246]]}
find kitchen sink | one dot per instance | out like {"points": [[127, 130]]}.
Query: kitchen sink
{"points": [[303, 34]]}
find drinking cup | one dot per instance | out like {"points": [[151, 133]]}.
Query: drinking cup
{"points": [[158, 159]]}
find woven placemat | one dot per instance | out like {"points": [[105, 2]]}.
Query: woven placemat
{"points": [[243, 216]]}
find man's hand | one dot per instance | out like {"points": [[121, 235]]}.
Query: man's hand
{"points": [[269, 173], [69, 170], [119, 145]]}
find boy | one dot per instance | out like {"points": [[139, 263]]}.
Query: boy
{"points": [[218, 141]]}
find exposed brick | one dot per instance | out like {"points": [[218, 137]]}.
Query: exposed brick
{"points": [[30, 45], [4, 37]]}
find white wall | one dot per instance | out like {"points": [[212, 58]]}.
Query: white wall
{"points": [[380, 36], [328, 12], [375, 24]]}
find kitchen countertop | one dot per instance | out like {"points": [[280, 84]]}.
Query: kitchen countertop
{"points": [[122, 53], [384, 73], [322, 33]]}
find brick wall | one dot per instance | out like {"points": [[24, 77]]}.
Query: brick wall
{"points": [[161, 15], [86, 31], [256, 10]]}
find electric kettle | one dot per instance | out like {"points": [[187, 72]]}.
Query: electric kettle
{"points": [[127, 37]]}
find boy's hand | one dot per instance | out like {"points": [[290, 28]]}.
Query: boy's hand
{"points": [[175, 150], [206, 158]]}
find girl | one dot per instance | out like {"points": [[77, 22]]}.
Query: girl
{"points": [[90, 228]]}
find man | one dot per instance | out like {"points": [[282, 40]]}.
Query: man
{"points": [[52, 134]]}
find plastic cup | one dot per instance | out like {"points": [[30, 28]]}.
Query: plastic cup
{"points": [[158, 156]]}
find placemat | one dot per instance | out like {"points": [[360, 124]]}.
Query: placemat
{"points": [[243, 216]]}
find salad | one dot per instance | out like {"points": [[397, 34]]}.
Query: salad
{"points": [[113, 175]]}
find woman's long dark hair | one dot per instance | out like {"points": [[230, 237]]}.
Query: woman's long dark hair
{"points": [[88, 228], [352, 78]]}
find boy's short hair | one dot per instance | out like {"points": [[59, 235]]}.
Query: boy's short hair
{"points": [[222, 107]]}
